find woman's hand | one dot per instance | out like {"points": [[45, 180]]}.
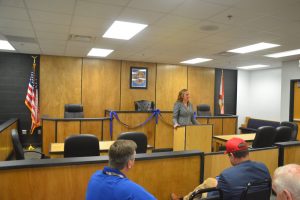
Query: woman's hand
{"points": [[176, 125]]}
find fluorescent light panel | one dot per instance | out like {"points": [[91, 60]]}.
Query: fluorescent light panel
{"points": [[253, 66], [5, 45], [123, 30], [254, 47], [96, 52], [195, 60], [284, 54]]}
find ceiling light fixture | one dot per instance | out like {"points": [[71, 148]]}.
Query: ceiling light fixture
{"points": [[96, 52], [5, 45], [253, 66], [196, 60], [284, 54], [123, 30], [254, 47]]}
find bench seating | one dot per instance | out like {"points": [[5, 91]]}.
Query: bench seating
{"points": [[252, 124]]}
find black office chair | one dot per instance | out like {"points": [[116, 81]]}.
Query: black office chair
{"points": [[293, 126], [73, 111], [144, 105], [283, 134], [203, 110], [258, 190], [265, 136], [198, 194], [139, 138], [81, 145], [18, 148]]}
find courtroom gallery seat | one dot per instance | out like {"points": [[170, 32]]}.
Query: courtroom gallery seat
{"points": [[81, 145], [139, 138], [73, 111], [283, 134], [18, 148], [293, 126], [265, 136], [197, 195], [203, 110]]}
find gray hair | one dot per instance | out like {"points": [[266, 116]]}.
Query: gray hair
{"points": [[287, 178], [120, 152]]}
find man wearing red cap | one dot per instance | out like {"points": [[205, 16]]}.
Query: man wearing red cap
{"points": [[233, 181]]}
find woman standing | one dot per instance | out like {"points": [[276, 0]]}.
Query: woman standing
{"points": [[183, 113]]}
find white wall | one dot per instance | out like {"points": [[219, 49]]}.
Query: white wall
{"points": [[290, 70], [259, 94]]}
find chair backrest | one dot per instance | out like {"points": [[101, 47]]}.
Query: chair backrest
{"points": [[283, 134], [73, 111], [18, 149], [203, 110], [265, 136], [257, 190], [144, 105], [198, 194], [81, 145], [293, 126], [139, 138]]}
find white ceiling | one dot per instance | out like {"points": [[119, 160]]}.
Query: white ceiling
{"points": [[174, 33]]}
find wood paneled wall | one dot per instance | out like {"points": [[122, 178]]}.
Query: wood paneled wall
{"points": [[60, 84], [296, 101], [128, 96], [201, 84], [170, 80]]}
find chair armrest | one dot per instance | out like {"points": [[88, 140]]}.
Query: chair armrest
{"points": [[247, 130], [42, 155]]}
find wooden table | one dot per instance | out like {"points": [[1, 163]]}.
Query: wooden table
{"points": [[220, 140], [57, 149]]}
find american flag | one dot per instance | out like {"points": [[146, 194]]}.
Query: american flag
{"points": [[32, 101]]}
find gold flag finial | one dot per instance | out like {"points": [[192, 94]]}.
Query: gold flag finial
{"points": [[34, 63]]}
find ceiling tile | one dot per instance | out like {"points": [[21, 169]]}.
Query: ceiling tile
{"points": [[14, 3], [50, 17], [196, 9], [17, 32], [89, 9], [18, 24], [13, 13], [52, 36], [112, 2], [57, 6], [52, 28], [139, 16], [156, 5]]}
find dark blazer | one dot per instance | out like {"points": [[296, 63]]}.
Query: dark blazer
{"points": [[233, 181]]}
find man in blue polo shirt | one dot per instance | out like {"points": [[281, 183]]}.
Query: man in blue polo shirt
{"points": [[111, 182]]}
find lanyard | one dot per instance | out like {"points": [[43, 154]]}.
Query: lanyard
{"points": [[114, 174]]}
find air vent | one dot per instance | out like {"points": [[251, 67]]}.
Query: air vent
{"points": [[20, 39], [81, 38]]}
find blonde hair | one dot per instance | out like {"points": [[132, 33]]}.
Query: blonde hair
{"points": [[181, 94]]}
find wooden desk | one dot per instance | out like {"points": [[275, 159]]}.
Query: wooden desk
{"points": [[57, 149], [220, 140]]}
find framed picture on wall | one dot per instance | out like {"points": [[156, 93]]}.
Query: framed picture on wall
{"points": [[138, 77]]}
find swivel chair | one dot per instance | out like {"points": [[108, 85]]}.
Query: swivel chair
{"points": [[139, 138], [144, 105], [265, 136], [81, 145], [257, 190], [294, 127], [203, 110], [283, 134], [73, 111], [198, 194]]}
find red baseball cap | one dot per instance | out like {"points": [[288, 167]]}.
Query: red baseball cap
{"points": [[236, 144]]}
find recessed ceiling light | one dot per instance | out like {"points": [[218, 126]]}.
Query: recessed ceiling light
{"points": [[99, 52], [123, 30], [253, 66], [5, 45], [195, 60], [284, 54], [254, 47]]}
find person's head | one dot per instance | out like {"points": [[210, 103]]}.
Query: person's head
{"points": [[121, 154], [286, 182], [183, 95], [237, 150]]}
